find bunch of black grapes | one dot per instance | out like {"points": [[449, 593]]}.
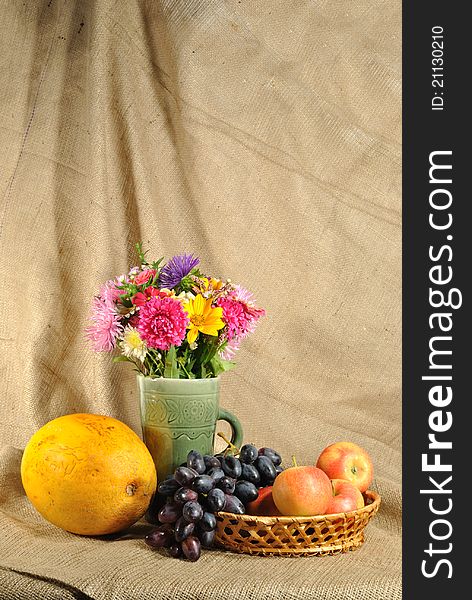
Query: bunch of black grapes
{"points": [[203, 486]]}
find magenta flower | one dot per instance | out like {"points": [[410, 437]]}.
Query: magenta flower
{"points": [[162, 323], [233, 316], [106, 325], [252, 313], [241, 318]]}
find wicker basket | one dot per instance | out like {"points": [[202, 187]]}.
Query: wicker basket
{"points": [[296, 536]]}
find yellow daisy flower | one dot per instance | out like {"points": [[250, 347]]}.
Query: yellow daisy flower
{"points": [[203, 317], [211, 284]]}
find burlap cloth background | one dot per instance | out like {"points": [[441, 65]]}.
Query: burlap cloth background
{"points": [[264, 136]]}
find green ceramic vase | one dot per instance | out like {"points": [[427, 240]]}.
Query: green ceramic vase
{"points": [[180, 415]]}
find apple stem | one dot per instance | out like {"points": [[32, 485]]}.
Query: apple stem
{"points": [[294, 461], [230, 445]]}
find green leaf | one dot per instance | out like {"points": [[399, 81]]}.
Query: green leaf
{"points": [[125, 301], [171, 369], [116, 359], [156, 264], [140, 253], [220, 366]]}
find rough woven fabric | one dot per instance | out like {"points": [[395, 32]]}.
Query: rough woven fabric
{"points": [[265, 137]]}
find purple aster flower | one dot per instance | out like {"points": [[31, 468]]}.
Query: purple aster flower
{"points": [[176, 269]]}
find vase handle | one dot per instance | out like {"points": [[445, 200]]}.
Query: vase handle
{"points": [[237, 435]]}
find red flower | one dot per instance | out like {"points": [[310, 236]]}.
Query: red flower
{"points": [[144, 276], [134, 321], [141, 298]]}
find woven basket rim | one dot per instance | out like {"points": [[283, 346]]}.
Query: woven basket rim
{"points": [[374, 498]]}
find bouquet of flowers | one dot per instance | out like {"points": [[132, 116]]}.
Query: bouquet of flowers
{"points": [[171, 320]]}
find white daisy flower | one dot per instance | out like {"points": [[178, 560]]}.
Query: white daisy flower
{"points": [[132, 345], [186, 296]]}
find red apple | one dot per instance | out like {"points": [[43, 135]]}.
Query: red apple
{"points": [[264, 504], [346, 497], [346, 460], [302, 491]]}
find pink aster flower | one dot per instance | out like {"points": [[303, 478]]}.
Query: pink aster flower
{"points": [[106, 325], [132, 273], [162, 323], [109, 292], [243, 295], [230, 349]]}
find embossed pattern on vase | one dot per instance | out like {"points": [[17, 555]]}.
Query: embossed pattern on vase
{"points": [[178, 418], [177, 410]]}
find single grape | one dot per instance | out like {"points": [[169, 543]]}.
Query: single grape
{"points": [[231, 466], [191, 548], [152, 512], [245, 491], [170, 512], [175, 550], [215, 500], [248, 453], [168, 487], [207, 522], [272, 454], [184, 495], [250, 473], [195, 461], [266, 469], [279, 469], [211, 462], [234, 505], [192, 512], [216, 473], [207, 538], [185, 475], [183, 529], [161, 537], [203, 484], [226, 484]]}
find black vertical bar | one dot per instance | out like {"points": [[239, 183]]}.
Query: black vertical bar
{"points": [[435, 120]]}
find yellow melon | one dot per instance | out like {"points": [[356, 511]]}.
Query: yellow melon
{"points": [[88, 474]]}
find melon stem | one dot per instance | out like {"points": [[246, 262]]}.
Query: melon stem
{"points": [[131, 488]]}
